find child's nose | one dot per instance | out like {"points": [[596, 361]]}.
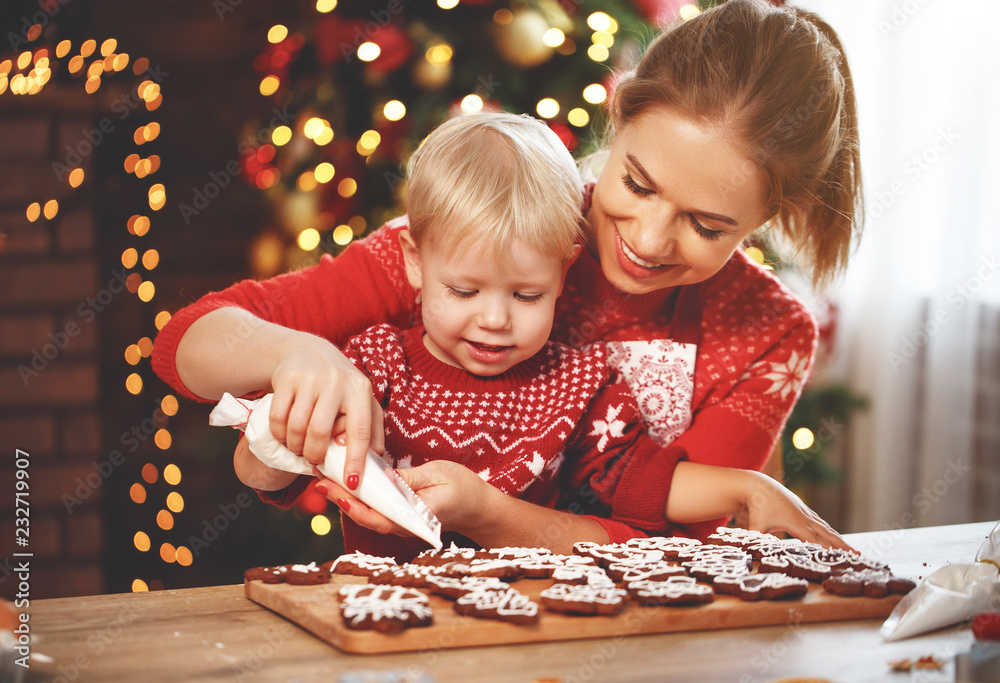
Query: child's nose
{"points": [[495, 315]]}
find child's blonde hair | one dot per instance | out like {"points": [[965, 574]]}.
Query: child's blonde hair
{"points": [[777, 78], [499, 177]]}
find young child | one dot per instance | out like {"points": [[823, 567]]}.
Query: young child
{"points": [[494, 223]]}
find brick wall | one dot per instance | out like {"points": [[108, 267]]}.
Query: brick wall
{"points": [[50, 393]]}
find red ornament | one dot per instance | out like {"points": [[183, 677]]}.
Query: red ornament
{"points": [[661, 12], [986, 626], [337, 39], [565, 134], [312, 502], [396, 48]]}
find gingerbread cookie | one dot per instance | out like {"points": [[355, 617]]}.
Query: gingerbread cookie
{"points": [[358, 564], [515, 553], [408, 575], [455, 587], [583, 599], [798, 566], [453, 553], [388, 609], [637, 570], [673, 591], [504, 605], [870, 583], [615, 552], [264, 574], [542, 566], [670, 546], [304, 574], [740, 538], [769, 586]]}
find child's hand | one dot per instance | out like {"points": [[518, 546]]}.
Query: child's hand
{"points": [[318, 393], [772, 508], [252, 472], [452, 492]]}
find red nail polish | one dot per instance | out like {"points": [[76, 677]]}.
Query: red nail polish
{"points": [[321, 489], [352, 481], [343, 504]]}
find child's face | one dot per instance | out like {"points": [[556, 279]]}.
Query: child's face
{"points": [[481, 315]]}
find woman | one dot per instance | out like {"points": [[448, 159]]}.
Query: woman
{"points": [[740, 117]]}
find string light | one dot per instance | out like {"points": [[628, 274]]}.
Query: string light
{"points": [[308, 239], [554, 37], [281, 135], [803, 438], [595, 93], [394, 110], [320, 525], [598, 53], [94, 63], [547, 108], [688, 12], [347, 187], [599, 21], [368, 52], [277, 33], [324, 172], [325, 6], [343, 234], [472, 104], [578, 117], [447, 4]]}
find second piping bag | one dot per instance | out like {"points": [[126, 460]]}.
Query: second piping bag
{"points": [[381, 488]]}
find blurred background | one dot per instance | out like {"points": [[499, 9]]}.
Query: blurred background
{"points": [[152, 152]]}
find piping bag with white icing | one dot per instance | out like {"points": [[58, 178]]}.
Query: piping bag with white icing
{"points": [[953, 593], [381, 488]]}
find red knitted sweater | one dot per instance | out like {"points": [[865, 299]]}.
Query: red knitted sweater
{"points": [[755, 339], [514, 430]]}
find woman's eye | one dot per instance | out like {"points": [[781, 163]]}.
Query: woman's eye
{"points": [[707, 233], [462, 293], [528, 298], [634, 187]]}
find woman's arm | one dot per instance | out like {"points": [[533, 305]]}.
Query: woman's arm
{"points": [[282, 333]]}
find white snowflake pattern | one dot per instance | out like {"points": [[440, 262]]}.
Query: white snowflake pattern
{"points": [[609, 427], [786, 377]]}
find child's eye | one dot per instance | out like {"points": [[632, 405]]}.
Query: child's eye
{"points": [[704, 232], [634, 187], [462, 293], [528, 298]]}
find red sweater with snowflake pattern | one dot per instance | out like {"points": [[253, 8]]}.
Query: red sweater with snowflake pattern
{"points": [[755, 340], [514, 430]]}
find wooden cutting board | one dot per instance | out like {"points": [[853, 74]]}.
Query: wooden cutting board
{"points": [[316, 609]]}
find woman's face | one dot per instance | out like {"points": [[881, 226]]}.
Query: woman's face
{"points": [[673, 203]]}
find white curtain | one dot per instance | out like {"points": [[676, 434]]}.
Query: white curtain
{"points": [[925, 284]]}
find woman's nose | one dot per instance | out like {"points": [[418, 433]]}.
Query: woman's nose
{"points": [[655, 233]]}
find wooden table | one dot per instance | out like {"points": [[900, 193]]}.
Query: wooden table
{"points": [[215, 634]]}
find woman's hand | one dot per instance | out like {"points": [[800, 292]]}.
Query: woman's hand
{"points": [[771, 508], [255, 474], [453, 492], [319, 393]]}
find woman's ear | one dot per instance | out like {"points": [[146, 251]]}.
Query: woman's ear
{"points": [[411, 256]]}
